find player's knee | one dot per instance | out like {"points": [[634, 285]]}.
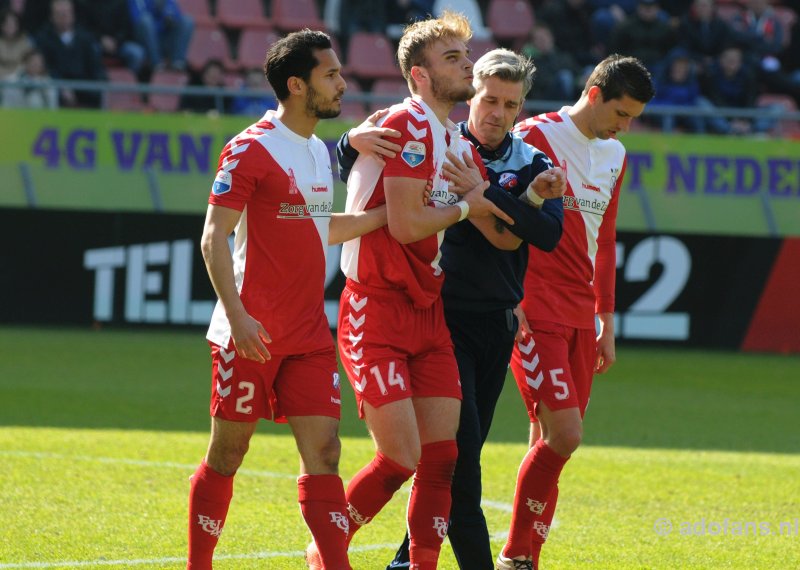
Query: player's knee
{"points": [[226, 459], [566, 440], [329, 454]]}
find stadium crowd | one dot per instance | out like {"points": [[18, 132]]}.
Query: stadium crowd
{"points": [[703, 53]]}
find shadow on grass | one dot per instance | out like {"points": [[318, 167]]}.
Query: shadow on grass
{"points": [[160, 380]]}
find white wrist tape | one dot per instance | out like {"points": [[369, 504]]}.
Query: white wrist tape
{"points": [[533, 197], [464, 207]]}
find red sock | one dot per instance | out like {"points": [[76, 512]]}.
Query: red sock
{"points": [[541, 526], [324, 509], [209, 498], [538, 475], [429, 504], [371, 489]]}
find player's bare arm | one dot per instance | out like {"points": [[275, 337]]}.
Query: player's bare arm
{"points": [[345, 227], [371, 140], [410, 220], [464, 175], [606, 345], [249, 336]]}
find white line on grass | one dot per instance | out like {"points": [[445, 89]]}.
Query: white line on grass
{"points": [[178, 559], [505, 507], [138, 462]]}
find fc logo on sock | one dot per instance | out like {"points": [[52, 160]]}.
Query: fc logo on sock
{"points": [[440, 524], [340, 521], [212, 527]]}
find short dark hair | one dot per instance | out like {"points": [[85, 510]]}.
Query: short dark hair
{"points": [[293, 56], [618, 75]]}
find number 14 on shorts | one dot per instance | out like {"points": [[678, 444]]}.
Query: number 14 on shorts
{"points": [[392, 378]]}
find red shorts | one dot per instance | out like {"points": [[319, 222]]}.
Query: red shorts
{"points": [[391, 350], [244, 390], [555, 365]]}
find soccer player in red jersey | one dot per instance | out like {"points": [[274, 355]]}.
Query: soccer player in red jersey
{"points": [[393, 340], [274, 189], [558, 350]]}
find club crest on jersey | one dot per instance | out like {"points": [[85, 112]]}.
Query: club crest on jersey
{"points": [[508, 180], [413, 153], [222, 183]]}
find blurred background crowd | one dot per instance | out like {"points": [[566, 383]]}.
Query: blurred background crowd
{"points": [[704, 54]]}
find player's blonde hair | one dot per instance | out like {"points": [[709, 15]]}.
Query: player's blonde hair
{"points": [[417, 37]]}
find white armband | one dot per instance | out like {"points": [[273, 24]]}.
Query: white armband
{"points": [[464, 207]]}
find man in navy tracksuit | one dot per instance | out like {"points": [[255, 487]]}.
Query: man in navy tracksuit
{"points": [[483, 284]]}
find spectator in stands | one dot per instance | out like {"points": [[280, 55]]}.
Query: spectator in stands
{"points": [[163, 30], [212, 76], [679, 86], [703, 33], [644, 35], [400, 13], [14, 44], [111, 23], [360, 16], [555, 69], [729, 82], [758, 31], [41, 95], [254, 106], [607, 15], [70, 53], [761, 37], [572, 19], [35, 14]]}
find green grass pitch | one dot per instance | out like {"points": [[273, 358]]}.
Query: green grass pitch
{"points": [[102, 429]]}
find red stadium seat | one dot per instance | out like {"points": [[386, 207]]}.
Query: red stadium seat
{"points": [[290, 15], [510, 20], [199, 11], [370, 56], [253, 46], [206, 44], [167, 102], [242, 14], [123, 100], [352, 110], [396, 88]]}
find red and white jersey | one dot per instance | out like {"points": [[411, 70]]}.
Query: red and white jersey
{"points": [[283, 185], [576, 280], [377, 259]]}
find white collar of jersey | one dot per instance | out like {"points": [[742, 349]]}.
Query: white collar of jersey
{"points": [[434, 121], [576, 132], [285, 131]]}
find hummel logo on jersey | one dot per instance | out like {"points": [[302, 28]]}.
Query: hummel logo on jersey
{"points": [[413, 153], [536, 507], [356, 516], [319, 188], [212, 527], [440, 525], [590, 187], [340, 521], [415, 132]]}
